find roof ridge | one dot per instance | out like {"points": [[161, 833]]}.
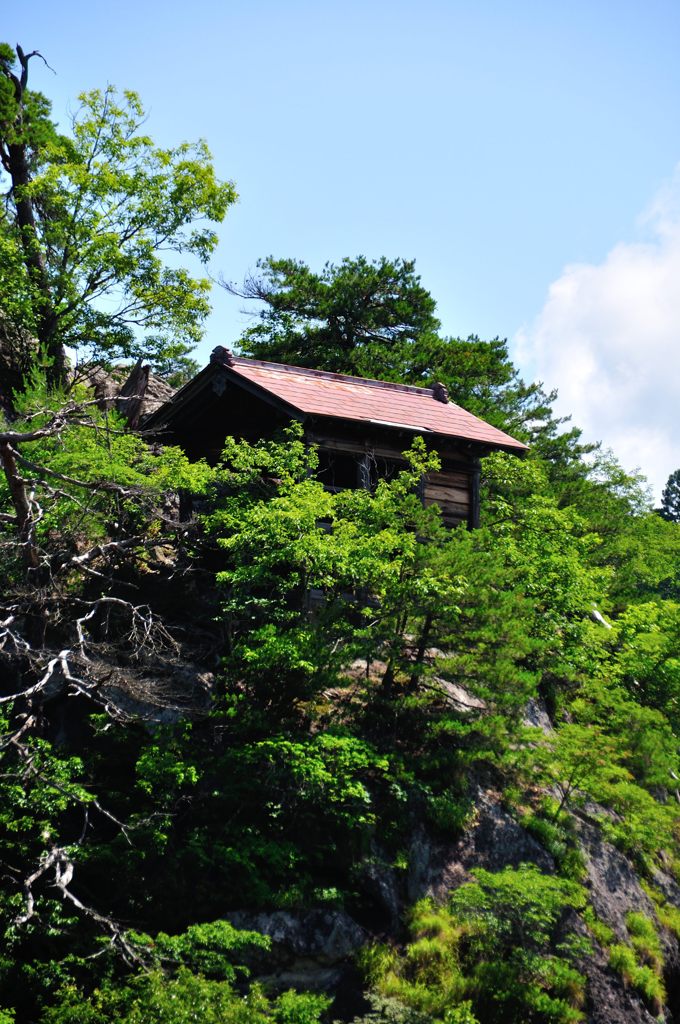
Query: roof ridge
{"points": [[307, 371]]}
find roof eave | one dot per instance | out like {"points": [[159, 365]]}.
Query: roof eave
{"points": [[163, 416], [512, 447]]}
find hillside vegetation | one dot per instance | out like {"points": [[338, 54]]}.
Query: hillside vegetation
{"points": [[276, 754]]}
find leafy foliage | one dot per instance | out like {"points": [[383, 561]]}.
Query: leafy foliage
{"points": [[154, 999], [670, 498], [641, 962], [91, 480], [261, 705], [495, 954], [358, 317], [90, 216], [370, 663], [370, 563]]}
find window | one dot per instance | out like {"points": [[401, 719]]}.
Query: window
{"points": [[338, 470]]}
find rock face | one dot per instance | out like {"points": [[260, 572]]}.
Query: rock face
{"points": [[494, 841], [146, 391], [315, 949], [615, 889], [379, 883], [135, 392], [612, 881], [328, 936], [310, 949], [536, 714], [609, 1001]]}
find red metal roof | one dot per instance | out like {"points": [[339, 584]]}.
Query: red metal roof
{"points": [[319, 393]]}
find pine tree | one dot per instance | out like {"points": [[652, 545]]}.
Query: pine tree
{"points": [[670, 498]]}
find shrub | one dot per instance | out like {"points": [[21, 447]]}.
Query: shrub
{"points": [[648, 983], [185, 999], [644, 939]]}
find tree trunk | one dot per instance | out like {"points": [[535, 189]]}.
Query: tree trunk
{"points": [[22, 507], [420, 653], [15, 162]]}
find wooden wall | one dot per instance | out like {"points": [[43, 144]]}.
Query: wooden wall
{"points": [[454, 488], [452, 491]]}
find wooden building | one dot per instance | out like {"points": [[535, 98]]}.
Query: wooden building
{"points": [[361, 426]]}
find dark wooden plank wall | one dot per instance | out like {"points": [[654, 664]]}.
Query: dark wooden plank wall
{"points": [[452, 491]]}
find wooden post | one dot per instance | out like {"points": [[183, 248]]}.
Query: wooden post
{"points": [[474, 496]]}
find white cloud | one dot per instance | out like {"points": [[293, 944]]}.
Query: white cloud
{"points": [[608, 337]]}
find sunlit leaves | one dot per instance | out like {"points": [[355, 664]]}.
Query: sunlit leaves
{"points": [[110, 209]]}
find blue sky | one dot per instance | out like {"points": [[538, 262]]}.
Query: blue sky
{"points": [[523, 153]]}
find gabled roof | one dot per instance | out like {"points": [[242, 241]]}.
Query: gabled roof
{"points": [[319, 393], [335, 395]]}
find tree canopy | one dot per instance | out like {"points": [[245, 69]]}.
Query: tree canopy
{"points": [[89, 220], [375, 319], [358, 317], [670, 498]]}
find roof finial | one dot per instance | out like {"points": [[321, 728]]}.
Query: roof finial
{"points": [[440, 392], [221, 355]]}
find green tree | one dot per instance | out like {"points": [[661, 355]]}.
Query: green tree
{"points": [[375, 319], [497, 953], [88, 221], [521, 967], [670, 498], [358, 317], [550, 550], [152, 998], [646, 640], [578, 758], [480, 376], [313, 580]]}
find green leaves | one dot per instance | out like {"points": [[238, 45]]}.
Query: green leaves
{"points": [[357, 317], [369, 669], [121, 201], [329, 772], [151, 998], [515, 907], [517, 966], [85, 255], [670, 498], [215, 949], [494, 954], [576, 757], [90, 478], [313, 580], [645, 655], [641, 962]]}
